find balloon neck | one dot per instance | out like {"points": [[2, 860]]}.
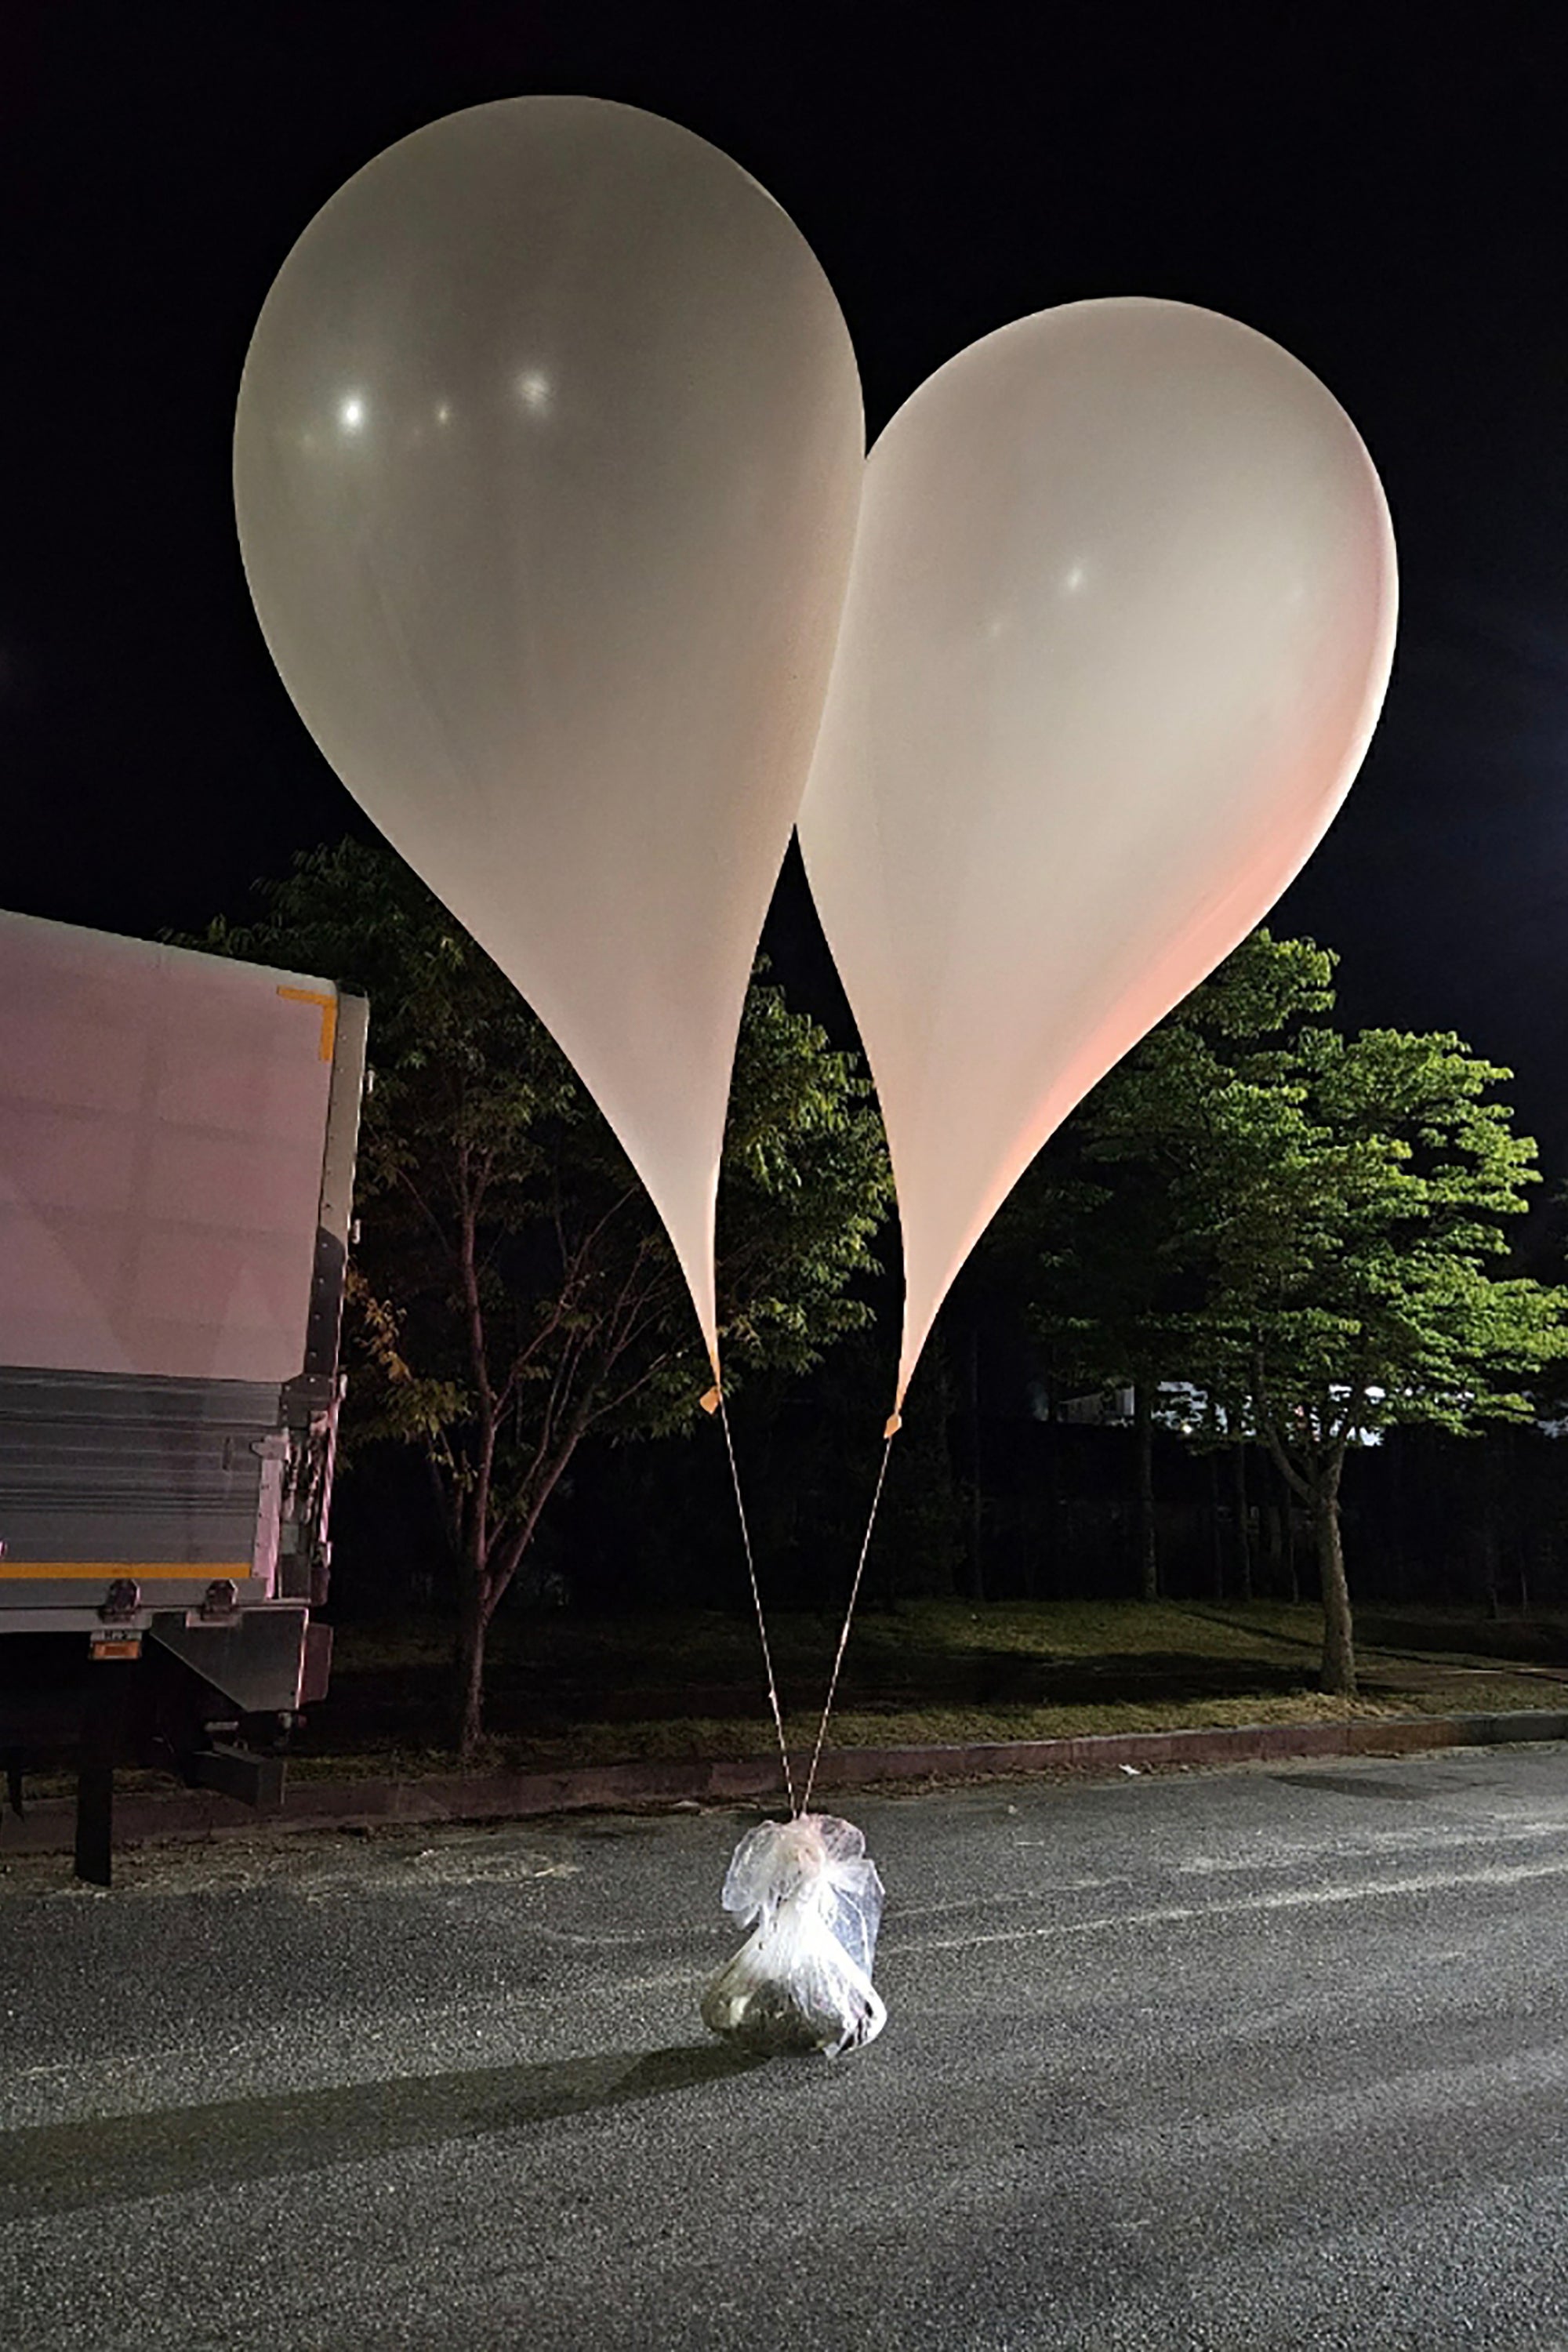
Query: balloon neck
{"points": [[895, 1423], [714, 1398]]}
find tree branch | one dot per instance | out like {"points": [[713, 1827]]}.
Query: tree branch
{"points": [[1267, 1422]]}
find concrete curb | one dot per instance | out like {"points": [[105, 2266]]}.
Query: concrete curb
{"points": [[48, 1827]]}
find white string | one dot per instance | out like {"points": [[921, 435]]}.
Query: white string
{"points": [[848, 1615], [757, 1599]]}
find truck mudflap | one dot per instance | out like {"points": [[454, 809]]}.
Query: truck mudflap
{"points": [[318, 1664], [256, 1657]]}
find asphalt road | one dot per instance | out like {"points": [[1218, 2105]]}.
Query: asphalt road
{"points": [[1253, 2060]]}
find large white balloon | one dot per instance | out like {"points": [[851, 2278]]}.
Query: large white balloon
{"points": [[1119, 626], [547, 461]]}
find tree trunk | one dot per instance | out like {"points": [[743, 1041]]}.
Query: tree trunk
{"points": [[468, 1666], [1243, 1529], [1148, 1532], [1216, 1534], [485, 1570], [1338, 1643]]}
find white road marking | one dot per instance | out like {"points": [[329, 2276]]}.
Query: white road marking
{"points": [[1290, 1853], [1302, 1898]]}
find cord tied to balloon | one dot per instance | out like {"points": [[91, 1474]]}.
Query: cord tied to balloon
{"points": [[889, 1434], [718, 1405], [713, 1402]]}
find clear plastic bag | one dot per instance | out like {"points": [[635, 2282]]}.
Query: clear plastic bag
{"points": [[802, 1980]]}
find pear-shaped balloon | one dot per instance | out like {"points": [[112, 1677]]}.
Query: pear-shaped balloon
{"points": [[1119, 626], [547, 461]]}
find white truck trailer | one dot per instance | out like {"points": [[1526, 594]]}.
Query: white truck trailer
{"points": [[177, 1135]]}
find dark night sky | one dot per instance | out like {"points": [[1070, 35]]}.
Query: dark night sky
{"points": [[1383, 189]]}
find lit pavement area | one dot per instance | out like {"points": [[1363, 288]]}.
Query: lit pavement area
{"points": [[1268, 2058]]}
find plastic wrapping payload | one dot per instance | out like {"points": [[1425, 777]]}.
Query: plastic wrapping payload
{"points": [[802, 1980]]}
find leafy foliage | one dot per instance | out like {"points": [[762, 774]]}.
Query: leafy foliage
{"points": [[1302, 1224]]}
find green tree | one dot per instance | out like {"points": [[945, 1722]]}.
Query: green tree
{"points": [[1365, 1298], [513, 1292], [1305, 1227]]}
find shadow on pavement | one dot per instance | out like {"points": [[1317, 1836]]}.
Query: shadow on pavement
{"points": [[61, 2168], [1352, 1784]]}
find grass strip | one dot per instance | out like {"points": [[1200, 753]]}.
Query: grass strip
{"points": [[565, 1691]]}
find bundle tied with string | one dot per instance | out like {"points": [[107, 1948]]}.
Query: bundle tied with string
{"points": [[806, 1887], [802, 1980]]}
